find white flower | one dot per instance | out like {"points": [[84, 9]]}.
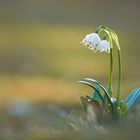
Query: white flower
{"points": [[104, 46], [91, 41]]}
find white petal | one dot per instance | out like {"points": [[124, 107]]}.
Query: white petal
{"points": [[93, 38], [104, 46], [85, 39]]}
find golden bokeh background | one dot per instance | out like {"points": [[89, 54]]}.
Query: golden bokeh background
{"points": [[40, 54]]}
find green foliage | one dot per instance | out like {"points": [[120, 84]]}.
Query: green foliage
{"points": [[132, 97], [115, 110]]}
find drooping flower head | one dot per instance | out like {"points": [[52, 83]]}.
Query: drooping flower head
{"points": [[94, 42], [91, 41], [104, 46]]}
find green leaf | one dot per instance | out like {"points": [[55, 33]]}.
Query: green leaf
{"points": [[132, 97], [95, 94], [104, 90], [93, 87]]}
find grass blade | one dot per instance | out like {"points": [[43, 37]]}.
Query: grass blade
{"points": [[93, 87], [105, 91]]}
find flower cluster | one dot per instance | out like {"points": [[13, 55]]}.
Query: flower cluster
{"points": [[94, 42]]}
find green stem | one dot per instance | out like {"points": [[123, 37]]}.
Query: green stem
{"points": [[111, 72], [120, 74]]}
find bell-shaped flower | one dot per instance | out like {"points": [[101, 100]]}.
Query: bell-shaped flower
{"points": [[91, 41], [104, 46]]}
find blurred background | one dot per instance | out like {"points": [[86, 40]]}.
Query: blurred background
{"points": [[41, 59]]}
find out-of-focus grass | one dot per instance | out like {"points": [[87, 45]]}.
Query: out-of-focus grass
{"points": [[61, 91], [38, 89], [52, 121]]}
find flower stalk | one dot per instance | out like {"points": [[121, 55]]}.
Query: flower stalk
{"points": [[120, 74], [108, 34], [110, 73]]}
